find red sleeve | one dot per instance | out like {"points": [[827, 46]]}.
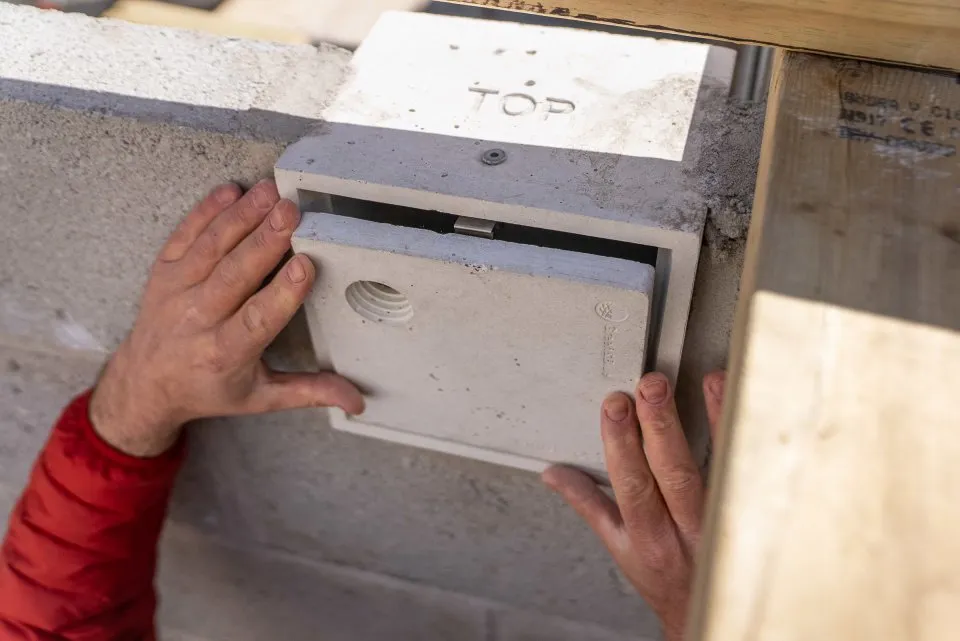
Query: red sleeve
{"points": [[80, 553]]}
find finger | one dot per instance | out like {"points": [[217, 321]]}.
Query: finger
{"points": [[671, 462], [714, 386], [284, 390], [197, 220], [229, 227], [588, 500], [240, 273], [641, 505], [245, 335]]}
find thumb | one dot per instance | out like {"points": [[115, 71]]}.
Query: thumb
{"points": [[588, 500], [286, 390]]}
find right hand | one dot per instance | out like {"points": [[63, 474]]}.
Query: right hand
{"points": [[654, 527], [195, 348]]}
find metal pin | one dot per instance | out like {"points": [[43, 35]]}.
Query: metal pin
{"points": [[474, 226]]}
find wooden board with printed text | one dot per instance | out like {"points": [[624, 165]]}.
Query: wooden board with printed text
{"points": [[836, 485]]}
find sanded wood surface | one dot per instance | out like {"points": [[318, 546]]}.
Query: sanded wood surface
{"points": [[835, 512], [169, 15], [920, 32]]}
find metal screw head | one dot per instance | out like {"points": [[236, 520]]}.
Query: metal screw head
{"points": [[493, 156]]}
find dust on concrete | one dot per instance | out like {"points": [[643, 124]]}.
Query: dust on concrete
{"points": [[727, 174]]}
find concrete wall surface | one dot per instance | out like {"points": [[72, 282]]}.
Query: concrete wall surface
{"points": [[280, 528]]}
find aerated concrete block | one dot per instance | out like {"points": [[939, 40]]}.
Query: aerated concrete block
{"points": [[102, 156], [285, 482], [218, 592], [511, 625], [99, 160], [34, 388]]}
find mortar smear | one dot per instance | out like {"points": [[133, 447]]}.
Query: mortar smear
{"points": [[727, 174]]}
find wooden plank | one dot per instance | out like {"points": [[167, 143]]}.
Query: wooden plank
{"points": [[169, 15], [918, 32], [836, 490], [340, 22]]}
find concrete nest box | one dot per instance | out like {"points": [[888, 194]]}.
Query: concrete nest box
{"points": [[506, 228]]}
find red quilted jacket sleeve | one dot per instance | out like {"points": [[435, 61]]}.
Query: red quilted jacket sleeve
{"points": [[79, 557]]}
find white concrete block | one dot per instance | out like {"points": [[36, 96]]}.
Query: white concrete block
{"points": [[483, 348], [590, 134]]}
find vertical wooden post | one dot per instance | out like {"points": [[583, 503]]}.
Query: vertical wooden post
{"points": [[835, 514]]}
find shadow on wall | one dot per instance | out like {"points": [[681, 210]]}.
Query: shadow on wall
{"points": [[252, 124]]}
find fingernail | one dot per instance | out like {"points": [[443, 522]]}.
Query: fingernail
{"points": [[654, 390], [616, 407], [716, 387], [278, 221], [226, 194], [295, 270], [355, 411], [260, 197]]}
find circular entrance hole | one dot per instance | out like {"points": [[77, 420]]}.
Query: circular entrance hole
{"points": [[378, 302]]}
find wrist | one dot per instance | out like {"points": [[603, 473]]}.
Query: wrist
{"points": [[125, 417]]}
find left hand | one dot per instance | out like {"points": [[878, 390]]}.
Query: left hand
{"points": [[653, 529], [195, 348]]}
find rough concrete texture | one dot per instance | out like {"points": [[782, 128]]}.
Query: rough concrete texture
{"points": [[88, 201], [8, 496], [201, 110], [228, 594], [727, 173], [34, 387], [245, 88], [88, 197], [512, 625]]}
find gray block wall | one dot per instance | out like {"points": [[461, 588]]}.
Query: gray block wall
{"points": [[280, 528]]}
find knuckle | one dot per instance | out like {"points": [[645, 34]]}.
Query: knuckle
{"points": [[241, 216], [681, 480], [206, 247], [195, 313], [216, 362], [637, 487], [174, 248], [159, 272], [230, 273], [657, 557], [580, 500], [253, 319], [261, 240], [215, 358], [193, 317], [657, 542], [659, 425], [225, 194]]}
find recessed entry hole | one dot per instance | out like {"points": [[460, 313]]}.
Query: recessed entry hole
{"points": [[378, 302]]}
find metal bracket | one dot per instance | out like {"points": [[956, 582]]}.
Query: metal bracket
{"points": [[474, 227]]}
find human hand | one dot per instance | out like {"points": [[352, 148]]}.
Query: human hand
{"points": [[195, 349], [653, 529]]}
